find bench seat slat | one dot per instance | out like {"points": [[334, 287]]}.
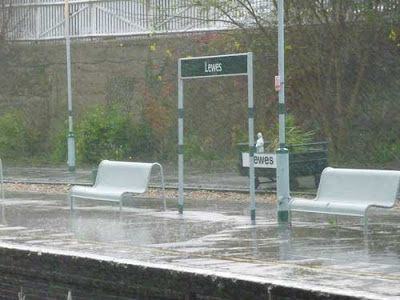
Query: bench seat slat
{"points": [[304, 205], [99, 193]]}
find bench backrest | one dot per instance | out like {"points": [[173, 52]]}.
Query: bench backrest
{"points": [[132, 176], [376, 187]]}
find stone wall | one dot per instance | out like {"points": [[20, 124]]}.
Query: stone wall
{"points": [[101, 71]]}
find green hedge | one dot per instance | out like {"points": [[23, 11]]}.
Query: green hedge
{"points": [[107, 132]]}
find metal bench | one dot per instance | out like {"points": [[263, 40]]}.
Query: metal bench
{"points": [[351, 192], [115, 179]]}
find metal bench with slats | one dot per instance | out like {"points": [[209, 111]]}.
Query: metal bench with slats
{"points": [[351, 192], [115, 179]]}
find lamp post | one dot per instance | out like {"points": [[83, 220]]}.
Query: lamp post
{"points": [[282, 153], [71, 138]]}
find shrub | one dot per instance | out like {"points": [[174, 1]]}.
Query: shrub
{"points": [[110, 133], [386, 152], [59, 147], [21, 139], [200, 149], [13, 134], [294, 135], [106, 132]]}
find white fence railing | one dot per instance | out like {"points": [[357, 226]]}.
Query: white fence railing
{"points": [[44, 19]]}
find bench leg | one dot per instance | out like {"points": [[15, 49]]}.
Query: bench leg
{"points": [[71, 201], [162, 185], [365, 224], [163, 188]]}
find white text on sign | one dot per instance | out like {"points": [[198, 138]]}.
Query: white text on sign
{"points": [[261, 160], [211, 68]]}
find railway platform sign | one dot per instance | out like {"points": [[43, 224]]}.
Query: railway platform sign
{"points": [[261, 160], [213, 66], [217, 66]]}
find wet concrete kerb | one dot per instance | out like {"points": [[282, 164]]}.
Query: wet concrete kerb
{"points": [[212, 250], [128, 277]]}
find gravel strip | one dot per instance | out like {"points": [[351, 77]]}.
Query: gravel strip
{"points": [[152, 192], [37, 188]]}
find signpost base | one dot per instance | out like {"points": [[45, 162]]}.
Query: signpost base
{"points": [[253, 214], [283, 188], [71, 152], [283, 216]]}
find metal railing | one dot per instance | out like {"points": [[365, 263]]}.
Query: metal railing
{"points": [[44, 19]]}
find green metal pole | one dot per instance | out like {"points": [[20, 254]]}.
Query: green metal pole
{"points": [[180, 138], [282, 154], [1, 180], [251, 135], [71, 137]]}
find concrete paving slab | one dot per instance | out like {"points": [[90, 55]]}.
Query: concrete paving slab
{"points": [[217, 238]]}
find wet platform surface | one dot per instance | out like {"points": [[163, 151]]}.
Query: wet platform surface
{"points": [[216, 237]]}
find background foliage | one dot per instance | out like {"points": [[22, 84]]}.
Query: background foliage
{"points": [[342, 85]]}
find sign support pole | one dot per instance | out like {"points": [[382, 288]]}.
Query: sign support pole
{"points": [[251, 136], [71, 137], [282, 154], [180, 139]]}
